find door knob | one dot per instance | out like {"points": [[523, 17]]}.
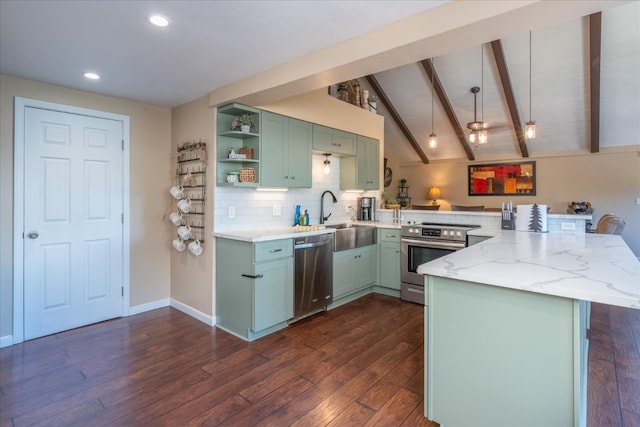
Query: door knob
{"points": [[33, 234]]}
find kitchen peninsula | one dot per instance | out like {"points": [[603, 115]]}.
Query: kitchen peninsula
{"points": [[506, 325]]}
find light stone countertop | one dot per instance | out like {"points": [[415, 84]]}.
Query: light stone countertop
{"points": [[264, 235], [592, 267]]}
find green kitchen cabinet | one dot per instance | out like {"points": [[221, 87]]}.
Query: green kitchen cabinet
{"points": [[254, 286], [353, 270], [473, 240], [389, 239], [509, 357], [286, 151], [334, 141], [362, 171], [230, 141]]}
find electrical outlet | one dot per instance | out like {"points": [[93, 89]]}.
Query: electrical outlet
{"points": [[231, 212], [277, 210], [567, 225], [638, 201]]}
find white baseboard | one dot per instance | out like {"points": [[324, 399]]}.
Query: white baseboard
{"points": [[204, 318], [6, 341], [137, 309]]}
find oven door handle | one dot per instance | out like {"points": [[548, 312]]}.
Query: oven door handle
{"points": [[434, 244]]}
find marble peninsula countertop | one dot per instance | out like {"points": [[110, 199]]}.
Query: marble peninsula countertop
{"points": [[592, 267]]}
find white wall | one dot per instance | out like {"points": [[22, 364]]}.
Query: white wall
{"points": [[191, 276], [150, 166]]}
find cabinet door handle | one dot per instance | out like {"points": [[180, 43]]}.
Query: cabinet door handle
{"points": [[273, 251], [257, 276]]}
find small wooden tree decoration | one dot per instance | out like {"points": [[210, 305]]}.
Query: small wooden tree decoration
{"points": [[535, 223]]}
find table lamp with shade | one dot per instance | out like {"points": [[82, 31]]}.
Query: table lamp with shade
{"points": [[434, 193]]}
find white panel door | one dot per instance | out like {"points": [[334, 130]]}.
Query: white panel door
{"points": [[73, 207]]}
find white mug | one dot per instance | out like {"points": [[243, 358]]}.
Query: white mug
{"points": [[178, 244], [176, 192], [176, 218], [184, 231], [184, 205], [195, 248]]}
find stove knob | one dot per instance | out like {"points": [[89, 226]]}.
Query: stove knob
{"points": [[445, 233], [458, 234]]}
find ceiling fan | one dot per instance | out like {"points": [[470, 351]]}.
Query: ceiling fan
{"points": [[479, 129]]}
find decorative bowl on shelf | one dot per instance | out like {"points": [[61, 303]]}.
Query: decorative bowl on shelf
{"points": [[387, 206], [580, 208]]}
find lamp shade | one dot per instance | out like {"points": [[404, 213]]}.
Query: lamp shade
{"points": [[434, 193]]}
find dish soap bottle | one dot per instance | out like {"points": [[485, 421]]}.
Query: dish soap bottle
{"points": [[306, 217], [296, 218]]}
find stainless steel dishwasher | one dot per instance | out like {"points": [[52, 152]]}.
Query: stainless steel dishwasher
{"points": [[313, 257]]}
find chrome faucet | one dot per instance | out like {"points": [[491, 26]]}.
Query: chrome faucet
{"points": [[322, 217]]}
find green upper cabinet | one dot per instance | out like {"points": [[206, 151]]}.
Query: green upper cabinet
{"points": [[286, 154], [230, 138], [333, 141], [362, 171]]}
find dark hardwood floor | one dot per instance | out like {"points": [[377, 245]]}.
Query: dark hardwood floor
{"points": [[360, 364]]}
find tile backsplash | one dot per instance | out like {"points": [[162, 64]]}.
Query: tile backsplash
{"points": [[254, 209]]}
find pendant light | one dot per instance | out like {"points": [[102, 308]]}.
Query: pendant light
{"points": [[433, 139], [327, 164], [478, 133], [530, 126], [483, 137]]}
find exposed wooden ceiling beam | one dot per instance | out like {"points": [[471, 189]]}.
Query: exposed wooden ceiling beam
{"points": [[396, 117], [448, 108], [507, 89], [595, 37]]}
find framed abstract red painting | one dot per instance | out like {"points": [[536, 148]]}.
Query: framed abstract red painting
{"points": [[500, 179]]}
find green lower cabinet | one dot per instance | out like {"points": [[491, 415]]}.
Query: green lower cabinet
{"points": [[353, 270], [503, 357], [390, 265], [389, 239], [254, 286], [473, 240], [272, 294]]}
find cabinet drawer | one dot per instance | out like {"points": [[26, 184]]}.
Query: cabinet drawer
{"points": [[274, 249], [389, 235]]}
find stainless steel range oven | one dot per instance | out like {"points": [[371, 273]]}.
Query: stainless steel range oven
{"points": [[421, 243]]}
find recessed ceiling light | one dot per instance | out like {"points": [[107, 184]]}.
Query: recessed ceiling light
{"points": [[159, 20], [91, 76]]}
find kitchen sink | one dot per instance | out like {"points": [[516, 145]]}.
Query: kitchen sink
{"points": [[349, 235]]}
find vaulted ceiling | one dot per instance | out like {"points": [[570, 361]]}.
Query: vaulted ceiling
{"points": [[565, 61], [259, 51]]}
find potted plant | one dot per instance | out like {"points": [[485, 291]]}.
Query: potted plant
{"points": [[245, 121], [373, 103], [392, 204]]}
